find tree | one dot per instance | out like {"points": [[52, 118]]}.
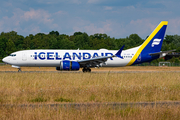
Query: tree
{"points": [[54, 33], [176, 42], [168, 39], [65, 44], [78, 41], [136, 39], [10, 47], [78, 33], [3, 47]]}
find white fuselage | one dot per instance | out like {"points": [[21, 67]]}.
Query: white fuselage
{"points": [[52, 58]]}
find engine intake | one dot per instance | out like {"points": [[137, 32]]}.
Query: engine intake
{"points": [[68, 65]]}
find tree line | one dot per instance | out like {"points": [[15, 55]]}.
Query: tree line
{"points": [[11, 42]]}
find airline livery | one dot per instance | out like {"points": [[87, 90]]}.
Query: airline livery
{"points": [[73, 60]]}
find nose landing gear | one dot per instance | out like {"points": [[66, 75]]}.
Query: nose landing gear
{"points": [[18, 67], [19, 70]]}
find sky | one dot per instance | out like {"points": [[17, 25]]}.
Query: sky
{"points": [[116, 18]]}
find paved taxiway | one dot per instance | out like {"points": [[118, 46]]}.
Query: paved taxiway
{"points": [[81, 105]]}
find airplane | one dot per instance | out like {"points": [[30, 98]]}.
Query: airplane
{"points": [[73, 60]]}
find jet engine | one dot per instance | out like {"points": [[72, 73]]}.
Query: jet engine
{"points": [[68, 65]]}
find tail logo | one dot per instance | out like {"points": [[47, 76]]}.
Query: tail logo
{"points": [[156, 42]]}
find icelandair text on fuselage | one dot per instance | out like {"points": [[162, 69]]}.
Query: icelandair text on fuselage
{"points": [[74, 56]]}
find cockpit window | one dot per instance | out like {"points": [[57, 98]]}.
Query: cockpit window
{"points": [[12, 55]]}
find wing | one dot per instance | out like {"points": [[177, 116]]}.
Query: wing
{"points": [[96, 62]]}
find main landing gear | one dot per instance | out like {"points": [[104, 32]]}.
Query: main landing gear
{"points": [[85, 69]]}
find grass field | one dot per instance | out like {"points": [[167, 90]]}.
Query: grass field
{"points": [[91, 113], [28, 88]]}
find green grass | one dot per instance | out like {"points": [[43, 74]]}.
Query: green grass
{"points": [[62, 100]]}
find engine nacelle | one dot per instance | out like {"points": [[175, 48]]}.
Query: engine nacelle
{"points": [[68, 65]]}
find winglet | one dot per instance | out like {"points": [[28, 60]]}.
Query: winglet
{"points": [[118, 54]]}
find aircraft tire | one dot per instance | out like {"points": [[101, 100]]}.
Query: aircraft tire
{"points": [[19, 70], [86, 70]]}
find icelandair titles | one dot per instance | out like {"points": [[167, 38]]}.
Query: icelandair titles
{"points": [[67, 56]]}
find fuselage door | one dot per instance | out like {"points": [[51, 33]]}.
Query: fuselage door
{"points": [[24, 56]]}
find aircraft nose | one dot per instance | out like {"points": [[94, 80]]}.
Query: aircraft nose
{"points": [[4, 60]]}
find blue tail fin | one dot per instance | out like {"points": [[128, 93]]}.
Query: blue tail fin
{"points": [[153, 43], [155, 40]]}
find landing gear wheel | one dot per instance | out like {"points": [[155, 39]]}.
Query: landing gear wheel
{"points": [[19, 70], [86, 70]]}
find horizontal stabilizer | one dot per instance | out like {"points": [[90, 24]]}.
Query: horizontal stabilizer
{"points": [[158, 53]]}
